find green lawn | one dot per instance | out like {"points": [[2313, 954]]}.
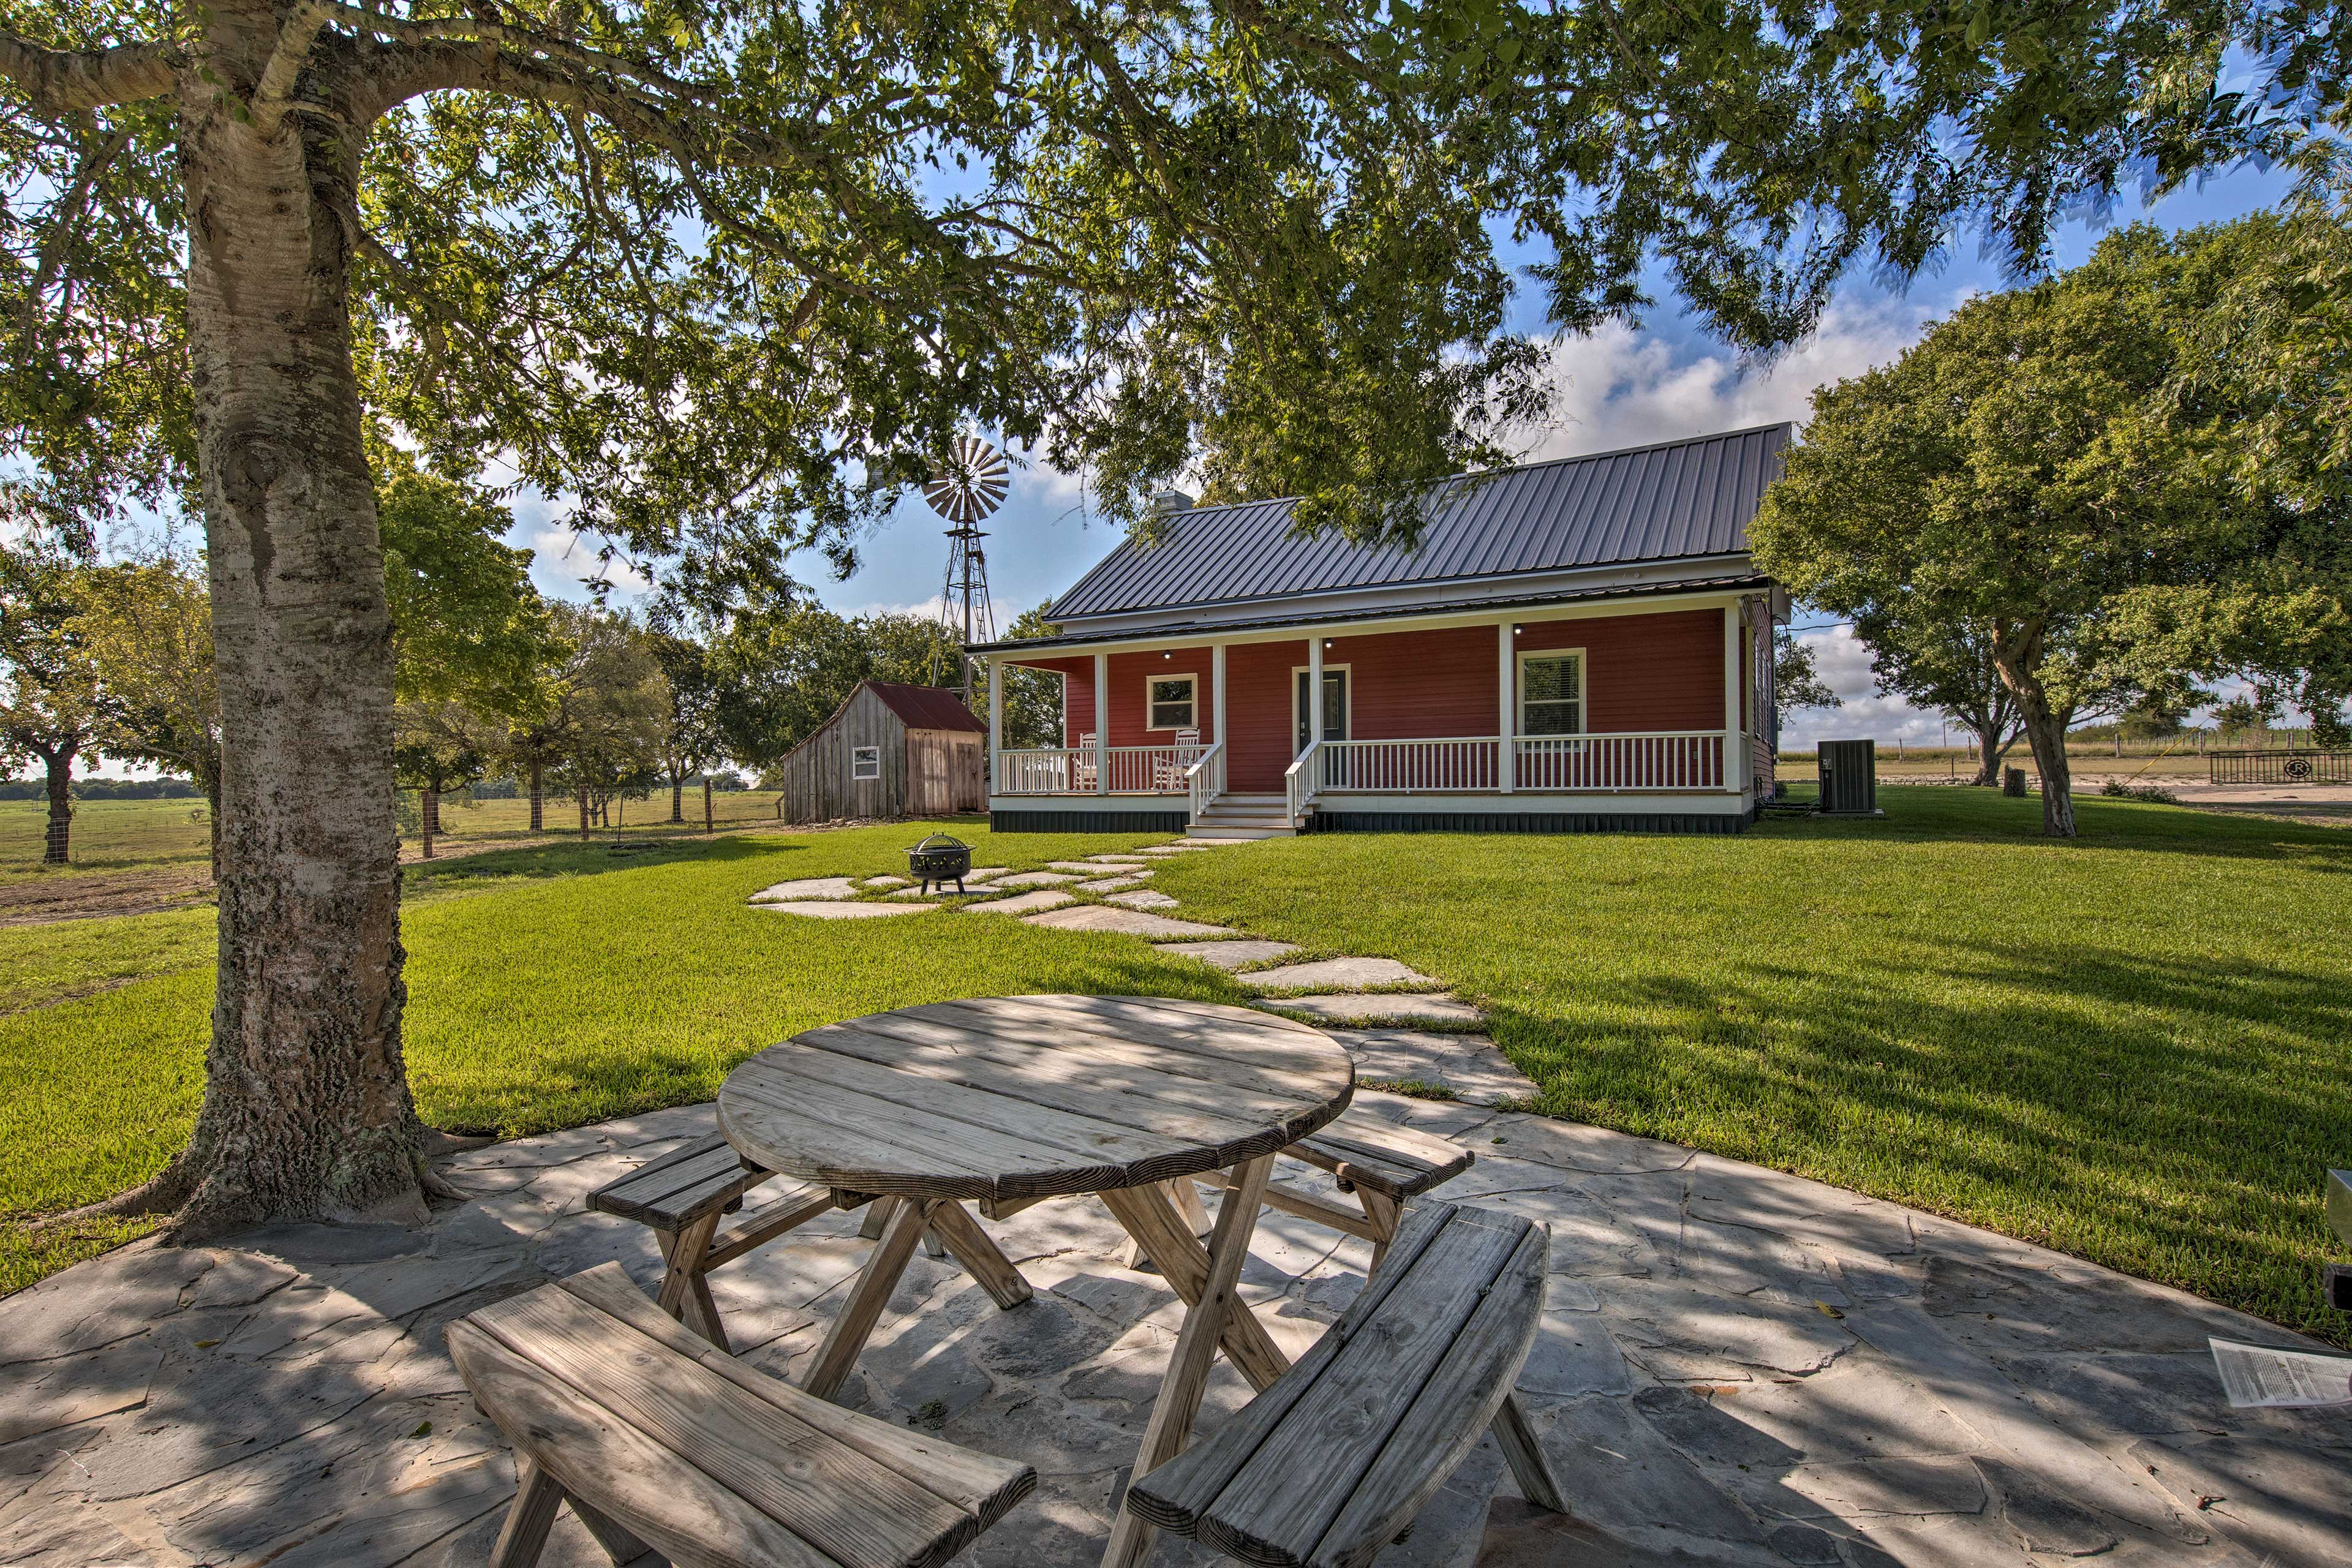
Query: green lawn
{"points": [[2133, 1048]]}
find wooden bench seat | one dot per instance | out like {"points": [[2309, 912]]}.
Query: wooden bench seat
{"points": [[658, 1440], [1327, 1465], [1383, 1165], [685, 1196]]}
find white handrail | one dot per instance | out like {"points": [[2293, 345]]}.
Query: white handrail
{"points": [[1299, 780], [1622, 761], [1204, 780]]}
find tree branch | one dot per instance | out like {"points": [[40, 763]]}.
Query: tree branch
{"points": [[274, 94], [60, 81]]}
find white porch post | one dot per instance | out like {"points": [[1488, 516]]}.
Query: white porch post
{"points": [[1735, 750], [1314, 687], [995, 669], [1506, 719], [1102, 723], [1217, 695]]}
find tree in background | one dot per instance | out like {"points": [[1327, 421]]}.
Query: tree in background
{"points": [[149, 626], [689, 737], [1033, 697], [466, 622], [612, 705], [1797, 682], [53, 707], [438, 745], [2018, 477], [781, 672], [1949, 668]]}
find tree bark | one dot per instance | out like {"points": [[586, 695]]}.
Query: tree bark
{"points": [[537, 767], [307, 1114], [2045, 732], [57, 840]]}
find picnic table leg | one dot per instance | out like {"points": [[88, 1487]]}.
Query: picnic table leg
{"points": [[529, 1517], [977, 1251], [1171, 1427], [686, 1287], [877, 1215], [859, 1315], [1188, 1201], [1385, 1215], [1184, 1262], [1529, 1467]]}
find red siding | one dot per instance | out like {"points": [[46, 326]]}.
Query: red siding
{"points": [[1257, 711], [1412, 685], [1644, 673], [1128, 711]]}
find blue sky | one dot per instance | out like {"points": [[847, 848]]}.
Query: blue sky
{"points": [[1621, 387]]}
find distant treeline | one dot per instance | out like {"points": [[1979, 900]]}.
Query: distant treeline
{"points": [[103, 789]]}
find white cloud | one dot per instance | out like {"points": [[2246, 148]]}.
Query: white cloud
{"points": [[1623, 388], [1843, 660]]}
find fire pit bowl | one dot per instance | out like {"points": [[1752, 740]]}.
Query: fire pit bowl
{"points": [[938, 860]]}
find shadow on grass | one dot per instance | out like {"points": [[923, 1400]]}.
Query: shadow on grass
{"points": [[588, 859], [2167, 1118]]}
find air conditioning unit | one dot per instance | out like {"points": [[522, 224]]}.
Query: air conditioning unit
{"points": [[1849, 774]]}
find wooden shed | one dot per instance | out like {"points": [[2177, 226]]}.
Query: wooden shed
{"points": [[889, 751]]}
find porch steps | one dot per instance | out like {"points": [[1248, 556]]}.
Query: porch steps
{"points": [[1244, 816]]}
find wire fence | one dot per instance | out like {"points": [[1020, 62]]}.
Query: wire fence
{"points": [[458, 819]]}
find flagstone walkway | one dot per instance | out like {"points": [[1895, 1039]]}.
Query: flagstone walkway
{"points": [[1736, 1367]]}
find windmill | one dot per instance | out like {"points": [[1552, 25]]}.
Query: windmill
{"points": [[965, 489]]}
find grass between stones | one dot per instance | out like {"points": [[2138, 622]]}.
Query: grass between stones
{"points": [[2132, 1047]]}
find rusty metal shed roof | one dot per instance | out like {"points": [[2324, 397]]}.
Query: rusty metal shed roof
{"points": [[1674, 500], [926, 707]]}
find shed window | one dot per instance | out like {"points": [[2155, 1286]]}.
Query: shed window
{"points": [[864, 763], [1551, 694], [1171, 702]]}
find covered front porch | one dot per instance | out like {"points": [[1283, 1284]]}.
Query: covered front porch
{"points": [[1551, 717]]}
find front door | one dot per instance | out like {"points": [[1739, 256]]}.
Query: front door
{"points": [[1335, 707]]}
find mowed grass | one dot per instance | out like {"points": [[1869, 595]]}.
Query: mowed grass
{"points": [[575, 984], [107, 835], [2135, 1048]]}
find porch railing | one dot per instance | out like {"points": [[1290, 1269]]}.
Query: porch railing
{"points": [[1654, 760], [1299, 779], [1418, 767], [1074, 770], [1204, 780]]}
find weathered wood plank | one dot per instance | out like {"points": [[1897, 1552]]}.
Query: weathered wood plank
{"points": [[1278, 1506], [1223, 1033], [978, 1252], [1172, 1414], [839, 1501], [1182, 1491], [684, 1292], [856, 1159], [621, 1547], [859, 1315], [1442, 1423], [1184, 1262], [985, 1486], [1208, 1079], [679, 1187], [1397, 1162], [657, 1497], [1530, 1466], [1297, 1200]]}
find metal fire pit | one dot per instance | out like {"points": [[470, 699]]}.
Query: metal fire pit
{"points": [[938, 860]]}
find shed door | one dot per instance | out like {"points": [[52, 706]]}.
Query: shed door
{"points": [[931, 791]]}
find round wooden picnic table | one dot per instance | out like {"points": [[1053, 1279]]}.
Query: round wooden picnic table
{"points": [[1011, 1100]]}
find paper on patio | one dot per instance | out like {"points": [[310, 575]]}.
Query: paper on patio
{"points": [[2256, 1376]]}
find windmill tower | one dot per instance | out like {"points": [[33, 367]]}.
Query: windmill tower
{"points": [[965, 489]]}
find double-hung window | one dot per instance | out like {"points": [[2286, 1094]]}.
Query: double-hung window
{"points": [[1171, 703], [1551, 694], [864, 763]]}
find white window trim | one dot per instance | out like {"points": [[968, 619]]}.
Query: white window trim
{"points": [[1192, 683], [1583, 688], [858, 752], [1346, 695]]}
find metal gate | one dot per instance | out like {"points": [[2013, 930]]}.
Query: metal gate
{"points": [[2288, 767]]}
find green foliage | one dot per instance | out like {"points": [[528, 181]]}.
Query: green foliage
{"points": [[53, 706], [148, 627], [783, 673], [466, 622], [2019, 481]]}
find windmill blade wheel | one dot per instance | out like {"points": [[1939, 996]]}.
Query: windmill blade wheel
{"points": [[971, 483]]}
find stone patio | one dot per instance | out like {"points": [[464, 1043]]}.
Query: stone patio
{"points": [[1737, 1367]]}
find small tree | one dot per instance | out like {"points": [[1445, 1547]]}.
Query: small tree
{"points": [[53, 707], [689, 737], [1797, 682], [437, 746], [1033, 697], [149, 626]]}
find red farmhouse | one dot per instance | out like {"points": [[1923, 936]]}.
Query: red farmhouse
{"points": [[1576, 646]]}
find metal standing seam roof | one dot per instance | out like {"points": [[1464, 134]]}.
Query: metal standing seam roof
{"points": [[1676, 498], [927, 707]]}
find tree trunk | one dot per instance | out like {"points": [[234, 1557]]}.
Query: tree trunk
{"points": [[2045, 732], [1990, 753], [306, 1113], [57, 842], [536, 768]]}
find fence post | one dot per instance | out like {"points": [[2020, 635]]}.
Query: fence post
{"points": [[706, 805], [428, 812]]}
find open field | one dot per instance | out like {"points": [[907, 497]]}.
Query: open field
{"points": [[2132, 1047]]}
